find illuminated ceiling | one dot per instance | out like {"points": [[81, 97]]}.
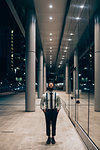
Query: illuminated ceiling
{"points": [[61, 24]]}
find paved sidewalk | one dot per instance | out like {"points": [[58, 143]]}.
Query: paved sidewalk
{"points": [[21, 130]]}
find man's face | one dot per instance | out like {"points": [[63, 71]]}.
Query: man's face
{"points": [[51, 85]]}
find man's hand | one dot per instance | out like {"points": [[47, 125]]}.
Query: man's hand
{"points": [[44, 110]]}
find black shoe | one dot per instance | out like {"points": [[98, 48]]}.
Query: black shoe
{"points": [[53, 141], [48, 140]]}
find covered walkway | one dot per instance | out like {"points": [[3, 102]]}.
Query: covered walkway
{"points": [[20, 130]]}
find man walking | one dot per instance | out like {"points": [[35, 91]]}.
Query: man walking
{"points": [[50, 104]]}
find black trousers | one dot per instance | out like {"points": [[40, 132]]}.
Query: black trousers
{"points": [[51, 117]]}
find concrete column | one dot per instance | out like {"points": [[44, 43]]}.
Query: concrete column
{"points": [[40, 75], [75, 75], [64, 80], [30, 60], [69, 83], [74, 82], [67, 78], [97, 63], [44, 85], [64, 84]]}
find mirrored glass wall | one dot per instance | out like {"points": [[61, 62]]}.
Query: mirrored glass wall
{"points": [[81, 108]]}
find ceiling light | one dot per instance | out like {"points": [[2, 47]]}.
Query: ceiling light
{"points": [[50, 55], [82, 6], [50, 47], [50, 51], [15, 70], [79, 75], [50, 18], [50, 39], [61, 62], [69, 39], [12, 55], [85, 68], [62, 57], [66, 47], [65, 51], [71, 34], [59, 66], [50, 66], [50, 34], [50, 6], [12, 31], [77, 18]]}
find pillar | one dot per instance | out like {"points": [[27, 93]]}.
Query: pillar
{"points": [[40, 75], [64, 84], [75, 75], [30, 60], [44, 85], [64, 80], [97, 62], [67, 78]]}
